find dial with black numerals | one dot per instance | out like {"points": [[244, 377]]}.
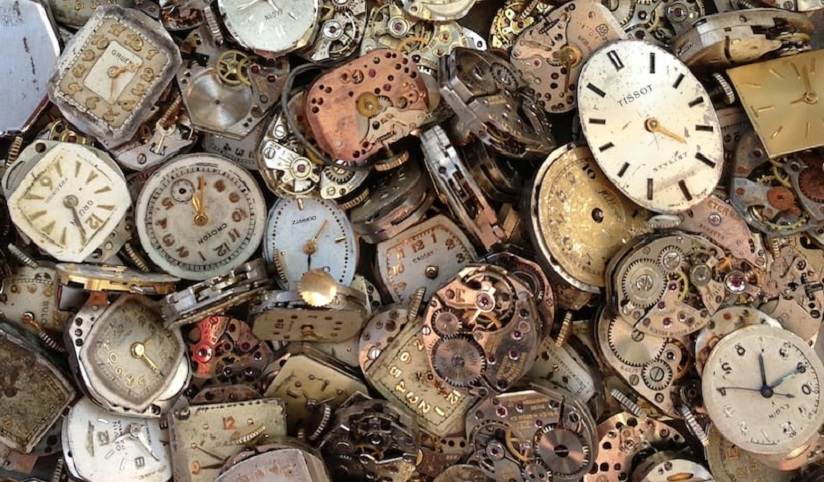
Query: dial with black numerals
{"points": [[762, 389], [651, 126]]}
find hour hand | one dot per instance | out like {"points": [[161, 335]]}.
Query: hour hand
{"points": [[762, 369], [652, 125]]}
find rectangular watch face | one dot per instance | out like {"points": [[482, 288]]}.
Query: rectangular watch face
{"points": [[403, 376], [33, 394]]}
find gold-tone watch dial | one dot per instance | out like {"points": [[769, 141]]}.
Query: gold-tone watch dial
{"points": [[782, 98], [583, 220]]}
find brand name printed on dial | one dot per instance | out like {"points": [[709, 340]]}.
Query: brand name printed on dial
{"points": [[304, 220], [634, 95], [211, 233]]}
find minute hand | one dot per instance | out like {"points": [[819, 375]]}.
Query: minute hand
{"points": [[788, 376]]}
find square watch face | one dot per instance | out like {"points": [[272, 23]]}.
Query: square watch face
{"points": [[113, 72]]}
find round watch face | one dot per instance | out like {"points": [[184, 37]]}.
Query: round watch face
{"points": [[307, 234], [651, 126], [128, 357], [288, 24], [427, 255], [581, 219], [201, 216], [97, 442], [70, 200], [762, 390]]}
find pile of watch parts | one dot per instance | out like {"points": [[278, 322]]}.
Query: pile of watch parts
{"points": [[317, 240]]}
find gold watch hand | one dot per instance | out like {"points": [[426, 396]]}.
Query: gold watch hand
{"points": [[138, 350], [322, 227], [197, 201], [312, 245], [805, 77], [653, 125]]}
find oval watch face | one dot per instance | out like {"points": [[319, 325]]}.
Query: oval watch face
{"points": [[201, 216], [762, 389], [651, 126], [307, 234], [288, 24]]}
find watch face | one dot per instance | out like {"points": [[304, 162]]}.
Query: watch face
{"points": [[128, 357], [288, 24], [70, 200], [96, 442], [579, 219], [651, 126], [307, 234], [781, 98], [199, 216], [762, 390], [113, 72], [427, 255]]}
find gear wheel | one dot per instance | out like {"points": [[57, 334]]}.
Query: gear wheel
{"points": [[643, 283], [657, 375], [338, 175], [459, 361], [368, 104], [564, 452], [671, 258], [632, 347], [622, 10], [811, 184], [446, 323]]}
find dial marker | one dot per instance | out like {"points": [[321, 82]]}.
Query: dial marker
{"points": [[696, 101], [776, 73], [606, 146], [615, 59], [706, 160], [77, 166], [300, 204], [63, 237], [103, 189], [49, 227], [36, 215], [107, 207], [652, 62], [684, 190], [649, 189], [765, 108], [701, 127], [777, 132], [340, 239], [58, 168], [623, 169], [678, 81], [596, 90], [33, 197], [597, 121]]}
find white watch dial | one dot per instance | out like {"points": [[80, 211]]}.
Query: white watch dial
{"points": [[271, 26], [97, 444], [762, 390], [651, 126], [307, 234], [70, 200], [201, 216]]}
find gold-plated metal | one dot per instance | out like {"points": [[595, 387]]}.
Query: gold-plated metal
{"points": [[317, 288]]}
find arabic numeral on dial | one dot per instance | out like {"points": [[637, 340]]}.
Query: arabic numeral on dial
{"points": [[94, 222], [167, 203], [788, 429], [222, 250], [139, 462], [234, 235], [405, 357], [589, 171], [99, 41], [801, 367], [168, 240], [239, 215], [397, 269], [234, 197], [726, 367], [134, 42], [182, 252], [418, 246], [742, 425], [740, 350], [116, 29], [148, 74], [722, 391], [806, 389], [195, 468], [79, 70], [151, 53], [729, 411], [450, 244], [461, 257], [138, 90]]}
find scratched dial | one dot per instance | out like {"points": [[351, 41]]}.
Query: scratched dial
{"points": [[307, 234], [762, 390], [97, 443], [271, 27], [70, 199], [129, 358], [651, 126], [202, 216]]}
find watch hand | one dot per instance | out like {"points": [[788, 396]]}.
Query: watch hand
{"points": [[312, 245], [322, 227], [211, 455], [141, 437], [805, 77], [759, 390], [652, 125], [138, 350], [197, 201], [274, 6], [787, 377], [71, 203], [762, 369]]}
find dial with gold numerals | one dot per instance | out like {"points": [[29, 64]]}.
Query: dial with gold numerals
{"points": [[427, 255], [782, 98], [113, 72], [200, 216], [651, 126], [70, 199], [128, 358]]}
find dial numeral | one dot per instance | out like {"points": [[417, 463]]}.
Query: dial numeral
{"points": [[615, 59], [596, 90]]}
